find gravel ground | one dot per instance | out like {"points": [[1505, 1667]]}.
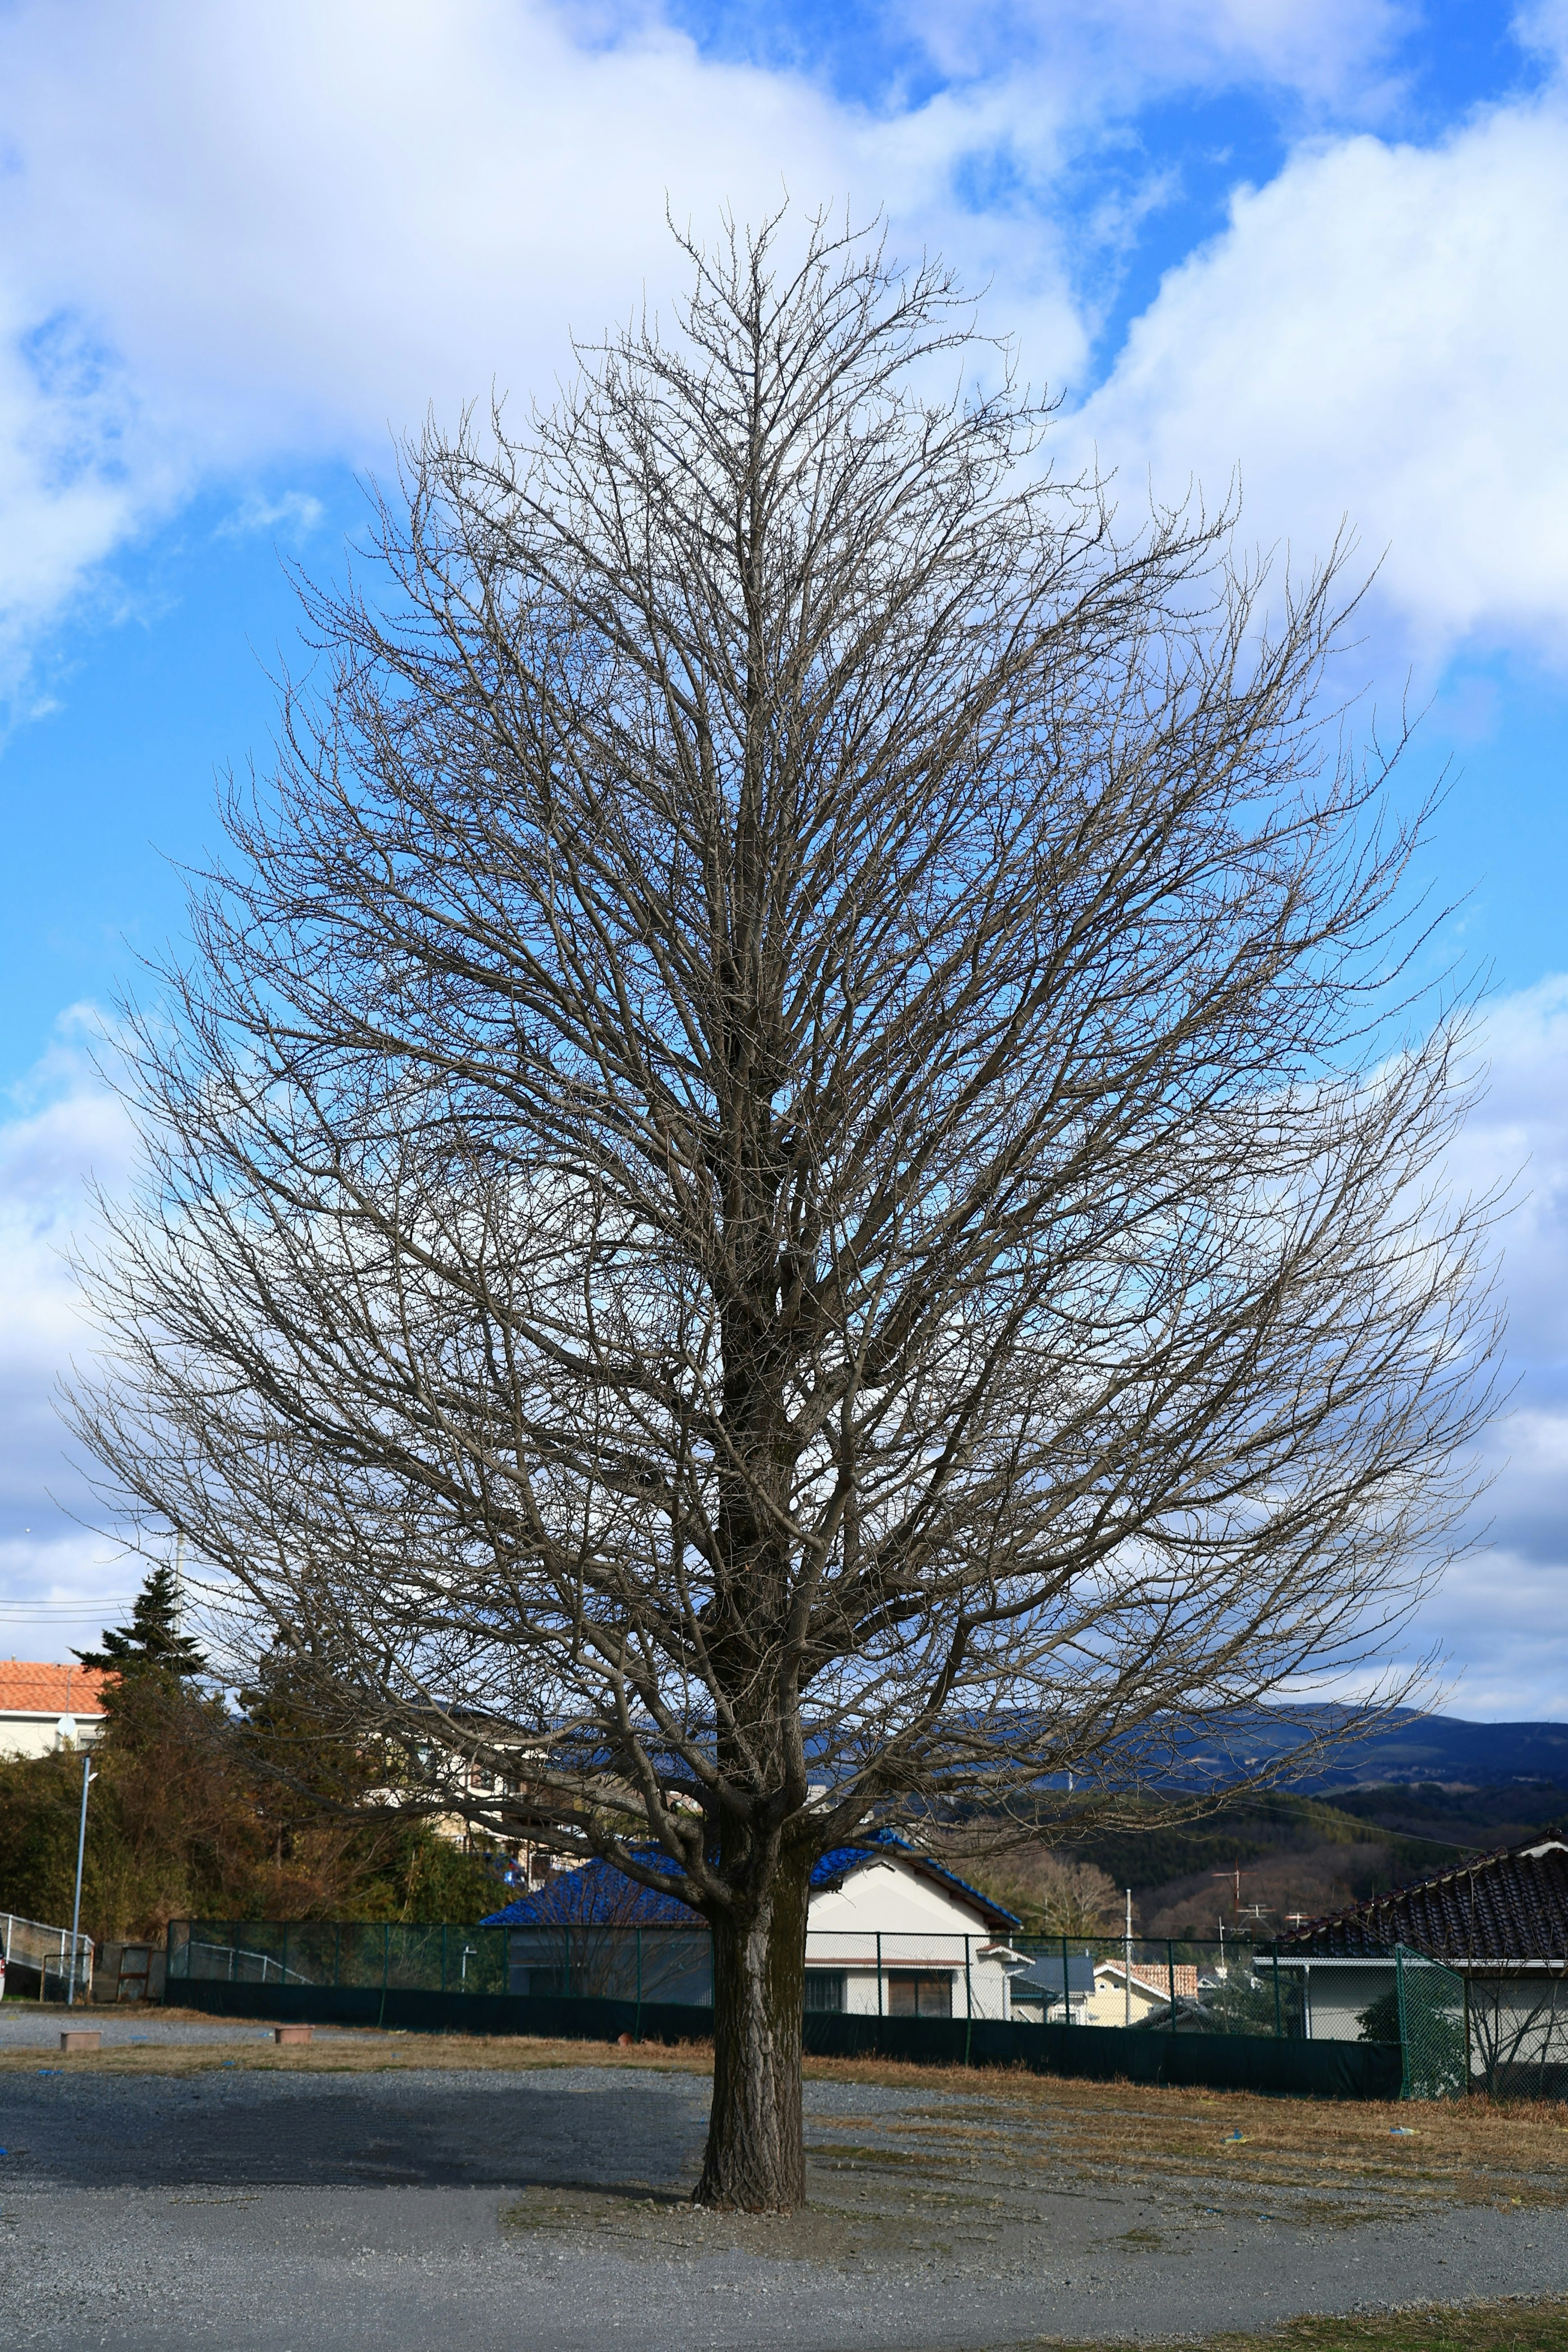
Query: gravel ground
{"points": [[26, 2025], [532, 2210]]}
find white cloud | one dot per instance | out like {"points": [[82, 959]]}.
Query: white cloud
{"points": [[1501, 1615], [1115, 52], [289, 229], [55, 1573], [295, 513], [239, 236], [1382, 333]]}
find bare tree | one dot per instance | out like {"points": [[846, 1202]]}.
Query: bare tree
{"points": [[774, 1167]]}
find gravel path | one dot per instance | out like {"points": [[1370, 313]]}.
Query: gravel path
{"points": [[28, 2025], [543, 2212]]}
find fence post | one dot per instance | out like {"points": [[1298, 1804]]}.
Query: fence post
{"points": [[337, 1949], [1279, 2029], [283, 1963], [1404, 2037], [1170, 1978], [879, 2007], [969, 2002], [1469, 2076], [386, 1968], [637, 2020], [1066, 1994], [444, 1955]]}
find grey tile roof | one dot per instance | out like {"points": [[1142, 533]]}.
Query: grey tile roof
{"points": [[1511, 1905]]}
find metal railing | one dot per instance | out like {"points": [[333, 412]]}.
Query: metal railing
{"points": [[30, 1944], [391, 1955]]}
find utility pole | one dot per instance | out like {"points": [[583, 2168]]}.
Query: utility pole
{"points": [[88, 1778]]}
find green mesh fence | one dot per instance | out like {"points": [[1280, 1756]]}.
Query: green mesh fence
{"points": [[1164, 1985], [1431, 2027], [1164, 1989], [364, 1955]]}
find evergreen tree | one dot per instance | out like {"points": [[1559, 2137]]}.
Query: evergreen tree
{"points": [[152, 1638]]}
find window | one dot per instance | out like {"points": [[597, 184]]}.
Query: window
{"points": [[824, 1989], [912, 1996]]}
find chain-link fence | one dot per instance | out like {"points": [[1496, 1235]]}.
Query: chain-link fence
{"points": [[1170, 1987], [1517, 2030], [1173, 1985], [1431, 2026]]}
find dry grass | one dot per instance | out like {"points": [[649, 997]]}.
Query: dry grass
{"points": [[1040, 2128], [1516, 2325], [348, 2049], [1348, 2153]]}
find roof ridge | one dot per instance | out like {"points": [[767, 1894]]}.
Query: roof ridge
{"points": [[1547, 1839]]}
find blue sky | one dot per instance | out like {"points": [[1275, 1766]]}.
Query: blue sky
{"points": [[1321, 249]]}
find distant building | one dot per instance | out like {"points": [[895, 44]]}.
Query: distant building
{"points": [[43, 1708], [1097, 1991]]}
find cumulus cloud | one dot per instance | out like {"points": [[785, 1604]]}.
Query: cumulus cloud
{"points": [[270, 231], [1501, 1616], [1115, 52], [1381, 334], [240, 236], [55, 1574]]}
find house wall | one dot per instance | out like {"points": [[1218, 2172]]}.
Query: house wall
{"points": [[24, 1733], [923, 1930], [1108, 2003], [1518, 2024], [1338, 1993]]}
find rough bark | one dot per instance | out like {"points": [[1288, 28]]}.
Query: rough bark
{"points": [[755, 2158]]}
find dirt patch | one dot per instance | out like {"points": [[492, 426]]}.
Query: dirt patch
{"points": [[672, 2226]]}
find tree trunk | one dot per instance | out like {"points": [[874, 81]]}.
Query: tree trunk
{"points": [[756, 2157]]}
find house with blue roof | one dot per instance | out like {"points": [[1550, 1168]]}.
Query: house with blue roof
{"points": [[888, 1932]]}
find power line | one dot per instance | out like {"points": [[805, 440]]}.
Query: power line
{"points": [[54, 1608]]}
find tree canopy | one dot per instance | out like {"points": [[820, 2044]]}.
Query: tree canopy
{"points": [[153, 1639], [790, 1181]]}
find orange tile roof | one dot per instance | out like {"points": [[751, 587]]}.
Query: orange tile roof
{"points": [[1154, 1977], [29, 1689]]}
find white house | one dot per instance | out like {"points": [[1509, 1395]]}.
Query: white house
{"points": [[47, 1708], [888, 1932]]}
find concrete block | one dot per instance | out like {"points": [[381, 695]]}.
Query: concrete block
{"points": [[291, 2033], [82, 2038]]}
